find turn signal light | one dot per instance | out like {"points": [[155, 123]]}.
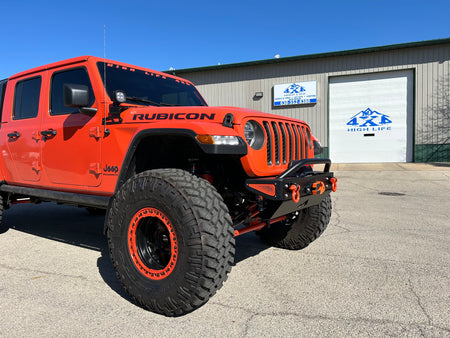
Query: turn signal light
{"points": [[268, 189], [218, 139]]}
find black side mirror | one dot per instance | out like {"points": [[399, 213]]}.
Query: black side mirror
{"points": [[76, 95]]}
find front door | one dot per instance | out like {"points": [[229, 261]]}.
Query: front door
{"points": [[71, 141]]}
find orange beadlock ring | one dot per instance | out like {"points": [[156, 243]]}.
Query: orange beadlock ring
{"points": [[295, 192], [159, 231]]}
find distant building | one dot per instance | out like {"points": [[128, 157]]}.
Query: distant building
{"points": [[380, 104]]}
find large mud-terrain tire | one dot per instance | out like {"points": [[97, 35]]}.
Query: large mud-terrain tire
{"points": [[3, 227], [171, 240], [298, 231]]}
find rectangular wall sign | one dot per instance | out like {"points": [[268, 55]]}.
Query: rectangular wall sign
{"points": [[295, 93]]}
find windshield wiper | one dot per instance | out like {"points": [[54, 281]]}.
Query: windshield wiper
{"points": [[170, 104], [138, 99]]}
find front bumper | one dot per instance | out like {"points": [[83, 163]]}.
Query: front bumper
{"points": [[297, 188]]}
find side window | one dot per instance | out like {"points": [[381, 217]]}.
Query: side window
{"points": [[2, 95], [26, 99], [74, 76]]}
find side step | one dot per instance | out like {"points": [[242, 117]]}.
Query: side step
{"points": [[85, 200]]}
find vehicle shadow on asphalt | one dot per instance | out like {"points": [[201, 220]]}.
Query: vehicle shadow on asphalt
{"points": [[69, 225], [75, 226], [248, 245]]}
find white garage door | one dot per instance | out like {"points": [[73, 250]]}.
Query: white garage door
{"points": [[371, 117]]}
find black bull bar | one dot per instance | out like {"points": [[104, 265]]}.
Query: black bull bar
{"points": [[296, 188]]}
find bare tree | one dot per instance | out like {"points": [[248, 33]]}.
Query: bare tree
{"points": [[436, 130]]}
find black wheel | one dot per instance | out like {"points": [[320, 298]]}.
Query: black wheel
{"points": [[96, 211], [171, 240], [300, 228]]}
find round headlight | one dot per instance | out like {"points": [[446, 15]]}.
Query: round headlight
{"points": [[254, 135]]}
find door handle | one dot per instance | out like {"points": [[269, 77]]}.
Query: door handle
{"points": [[48, 133], [16, 134]]}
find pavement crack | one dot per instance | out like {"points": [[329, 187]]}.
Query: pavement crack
{"points": [[343, 228], [247, 324], [41, 272], [419, 302], [253, 314], [337, 216]]}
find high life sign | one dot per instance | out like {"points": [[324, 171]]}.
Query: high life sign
{"points": [[295, 93]]}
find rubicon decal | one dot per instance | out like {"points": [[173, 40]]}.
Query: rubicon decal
{"points": [[173, 116], [369, 120]]}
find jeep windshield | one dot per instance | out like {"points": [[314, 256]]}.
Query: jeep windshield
{"points": [[148, 88]]}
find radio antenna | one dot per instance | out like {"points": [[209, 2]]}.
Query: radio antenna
{"points": [[104, 41], [106, 131]]}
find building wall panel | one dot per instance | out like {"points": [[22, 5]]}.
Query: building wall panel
{"points": [[237, 86]]}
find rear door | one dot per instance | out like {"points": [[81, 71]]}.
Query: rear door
{"points": [[21, 132], [71, 141]]}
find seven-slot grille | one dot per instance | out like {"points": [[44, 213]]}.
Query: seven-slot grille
{"points": [[286, 142]]}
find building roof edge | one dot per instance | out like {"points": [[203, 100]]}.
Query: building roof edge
{"points": [[313, 56]]}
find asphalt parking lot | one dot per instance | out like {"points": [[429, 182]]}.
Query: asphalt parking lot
{"points": [[382, 268]]}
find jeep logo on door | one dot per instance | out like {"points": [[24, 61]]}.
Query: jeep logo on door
{"points": [[369, 120], [111, 170]]}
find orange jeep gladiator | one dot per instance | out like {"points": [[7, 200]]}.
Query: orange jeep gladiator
{"points": [[179, 180]]}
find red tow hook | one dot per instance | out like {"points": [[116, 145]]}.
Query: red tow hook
{"points": [[295, 192], [318, 188], [333, 181]]}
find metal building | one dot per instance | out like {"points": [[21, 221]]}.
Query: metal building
{"points": [[381, 104]]}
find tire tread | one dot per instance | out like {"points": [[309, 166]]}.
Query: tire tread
{"points": [[311, 223], [210, 232]]}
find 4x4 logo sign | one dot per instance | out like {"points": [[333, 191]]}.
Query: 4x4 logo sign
{"points": [[294, 88], [369, 119]]}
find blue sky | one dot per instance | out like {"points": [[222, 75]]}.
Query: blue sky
{"points": [[184, 34]]}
